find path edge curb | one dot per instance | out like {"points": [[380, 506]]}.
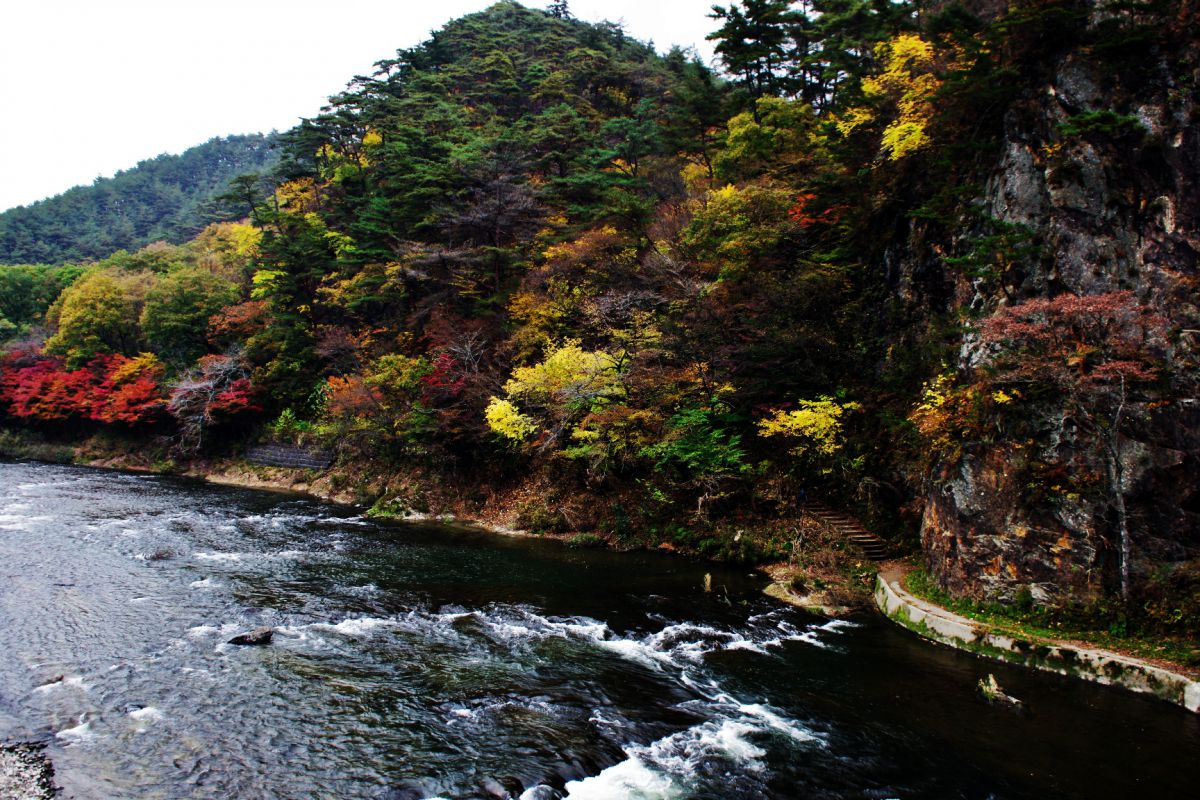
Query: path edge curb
{"points": [[1101, 666]]}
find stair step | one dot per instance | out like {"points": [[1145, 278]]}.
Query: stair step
{"points": [[874, 548]]}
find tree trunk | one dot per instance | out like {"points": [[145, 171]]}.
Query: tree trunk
{"points": [[1116, 477], [1116, 480]]}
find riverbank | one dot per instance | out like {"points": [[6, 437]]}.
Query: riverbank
{"points": [[809, 565], [25, 773], [1044, 653], [822, 575]]}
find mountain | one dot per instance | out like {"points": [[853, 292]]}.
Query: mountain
{"points": [[164, 198], [933, 262]]}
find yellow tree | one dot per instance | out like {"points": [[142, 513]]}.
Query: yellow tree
{"points": [[567, 384], [904, 91], [814, 428]]}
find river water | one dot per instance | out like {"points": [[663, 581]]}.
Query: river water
{"points": [[421, 661]]}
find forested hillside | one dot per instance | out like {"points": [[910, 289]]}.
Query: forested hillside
{"points": [[167, 198], [933, 261]]}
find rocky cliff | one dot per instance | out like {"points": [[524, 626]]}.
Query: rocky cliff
{"points": [[1100, 171]]}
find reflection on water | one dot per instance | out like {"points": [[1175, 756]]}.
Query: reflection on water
{"points": [[434, 661]]}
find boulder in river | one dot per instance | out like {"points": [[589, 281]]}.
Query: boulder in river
{"points": [[258, 636]]}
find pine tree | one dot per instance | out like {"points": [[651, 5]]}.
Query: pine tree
{"points": [[756, 45]]}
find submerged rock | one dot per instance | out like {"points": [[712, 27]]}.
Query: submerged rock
{"points": [[258, 636], [989, 687]]}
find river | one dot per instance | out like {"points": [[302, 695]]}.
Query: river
{"points": [[421, 661]]}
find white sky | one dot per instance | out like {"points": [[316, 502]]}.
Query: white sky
{"points": [[89, 87]]}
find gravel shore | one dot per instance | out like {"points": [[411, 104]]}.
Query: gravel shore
{"points": [[25, 773]]}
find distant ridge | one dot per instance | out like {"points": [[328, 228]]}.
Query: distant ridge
{"points": [[163, 198]]}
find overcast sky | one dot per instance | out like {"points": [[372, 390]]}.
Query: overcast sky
{"points": [[89, 87]]}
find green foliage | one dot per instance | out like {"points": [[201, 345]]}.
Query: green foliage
{"points": [[289, 427], [177, 310], [26, 293], [168, 197], [99, 314], [1143, 632], [701, 443], [1000, 248], [778, 140], [585, 540], [1105, 122]]}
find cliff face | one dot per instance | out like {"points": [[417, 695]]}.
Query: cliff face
{"points": [[1116, 207]]}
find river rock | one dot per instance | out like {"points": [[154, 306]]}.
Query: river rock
{"points": [[25, 773], [258, 636]]}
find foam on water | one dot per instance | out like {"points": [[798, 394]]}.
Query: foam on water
{"points": [[145, 717], [630, 779], [218, 556], [730, 734], [363, 626], [20, 522], [73, 682], [75, 735]]}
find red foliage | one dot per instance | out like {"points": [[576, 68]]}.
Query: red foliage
{"points": [[445, 381], [239, 322], [349, 396], [1091, 340], [109, 388], [804, 215], [45, 391], [140, 400], [237, 398]]}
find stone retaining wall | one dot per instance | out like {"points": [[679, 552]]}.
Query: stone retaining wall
{"points": [[1102, 666], [286, 455]]}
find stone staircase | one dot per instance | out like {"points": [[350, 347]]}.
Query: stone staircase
{"points": [[850, 528], [287, 455]]}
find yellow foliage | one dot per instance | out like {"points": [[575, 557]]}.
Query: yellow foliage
{"points": [[695, 177], [298, 195], [143, 364], [903, 138], [852, 118], [245, 239], [1003, 398], [737, 225], [567, 374], [908, 79], [936, 392], [586, 248], [545, 315], [817, 424], [948, 415], [908, 61], [227, 248], [505, 419]]}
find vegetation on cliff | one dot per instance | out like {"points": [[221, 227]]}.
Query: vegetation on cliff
{"points": [[533, 247]]}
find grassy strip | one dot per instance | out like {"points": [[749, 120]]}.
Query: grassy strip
{"points": [[24, 445], [1048, 624]]}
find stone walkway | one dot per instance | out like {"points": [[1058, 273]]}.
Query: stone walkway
{"points": [[1066, 658]]}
